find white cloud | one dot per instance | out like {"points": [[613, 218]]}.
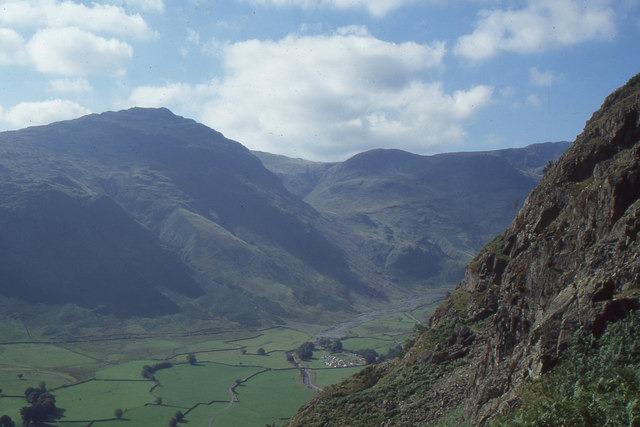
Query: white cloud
{"points": [[11, 47], [184, 96], [154, 5], [212, 47], [74, 52], [327, 96], [376, 8], [39, 113], [77, 85], [99, 18], [542, 78], [542, 25], [534, 101]]}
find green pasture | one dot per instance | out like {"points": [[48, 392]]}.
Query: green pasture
{"points": [[274, 339], [273, 360], [328, 376], [11, 406], [186, 385], [13, 385], [200, 415], [40, 356], [99, 399], [121, 350], [274, 393], [380, 345], [210, 345], [238, 416], [124, 371], [149, 415]]}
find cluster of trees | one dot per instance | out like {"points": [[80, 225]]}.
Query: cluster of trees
{"points": [[179, 416], [148, 371], [331, 345], [305, 351], [43, 406], [372, 356]]}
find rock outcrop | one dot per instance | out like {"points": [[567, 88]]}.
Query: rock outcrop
{"points": [[569, 261]]}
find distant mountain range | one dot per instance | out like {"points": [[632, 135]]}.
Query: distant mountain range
{"points": [[418, 217], [144, 213]]}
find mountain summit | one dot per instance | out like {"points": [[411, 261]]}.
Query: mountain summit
{"points": [[569, 262], [135, 210]]}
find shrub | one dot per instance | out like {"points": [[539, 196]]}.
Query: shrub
{"points": [[597, 382]]}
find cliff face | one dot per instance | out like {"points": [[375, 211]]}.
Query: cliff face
{"points": [[569, 261]]}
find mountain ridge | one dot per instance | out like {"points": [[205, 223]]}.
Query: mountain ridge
{"points": [[406, 207], [230, 241]]}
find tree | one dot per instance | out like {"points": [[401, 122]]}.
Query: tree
{"points": [[27, 413], [179, 416], [191, 359], [147, 372], [369, 355], [43, 406], [118, 413], [324, 342], [261, 351], [173, 422], [6, 421], [305, 351], [335, 346]]}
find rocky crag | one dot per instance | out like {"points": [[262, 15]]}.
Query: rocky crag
{"points": [[570, 261]]}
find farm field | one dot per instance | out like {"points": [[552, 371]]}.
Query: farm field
{"points": [[237, 378]]}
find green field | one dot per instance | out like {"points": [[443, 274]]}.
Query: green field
{"points": [[92, 378], [274, 393], [327, 376], [99, 399], [272, 360], [275, 339], [185, 385]]}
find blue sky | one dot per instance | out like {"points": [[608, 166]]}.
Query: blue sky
{"points": [[325, 79]]}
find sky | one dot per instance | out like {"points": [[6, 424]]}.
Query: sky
{"points": [[324, 79]]}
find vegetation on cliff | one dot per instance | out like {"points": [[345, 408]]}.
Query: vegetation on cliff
{"points": [[597, 382]]}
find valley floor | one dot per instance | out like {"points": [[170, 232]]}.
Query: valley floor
{"points": [[238, 378]]}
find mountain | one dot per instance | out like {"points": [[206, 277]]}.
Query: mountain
{"points": [[419, 218], [145, 213], [142, 212], [555, 281]]}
